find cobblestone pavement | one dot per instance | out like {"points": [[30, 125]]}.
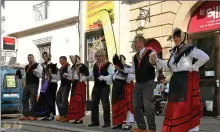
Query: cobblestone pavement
{"points": [[207, 125]]}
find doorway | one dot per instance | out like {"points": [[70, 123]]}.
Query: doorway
{"points": [[208, 72]]}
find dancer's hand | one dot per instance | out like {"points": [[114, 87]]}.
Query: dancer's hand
{"points": [[118, 68], [153, 58], [116, 77], [101, 78], [35, 71], [82, 79], [64, 75]]}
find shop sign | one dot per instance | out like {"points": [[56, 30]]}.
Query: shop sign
{"points": [[206, 17], [92, 13]]}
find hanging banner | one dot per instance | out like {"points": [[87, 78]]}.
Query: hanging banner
{"points": [[92, 9], [109, 34]]}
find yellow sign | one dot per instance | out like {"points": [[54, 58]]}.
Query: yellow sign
{"points": [[93, 8], [109, 34], [10, 81]]}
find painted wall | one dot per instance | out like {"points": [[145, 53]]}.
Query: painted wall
{"points": [[20, 14], [65, 41]]}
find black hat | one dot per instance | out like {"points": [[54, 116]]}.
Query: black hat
{"points": [[117, 61], [160, 77]]}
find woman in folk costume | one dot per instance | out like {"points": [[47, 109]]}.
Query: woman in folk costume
{"points": [[122, 111], [184, 108], [77, 106], [46, 101]]}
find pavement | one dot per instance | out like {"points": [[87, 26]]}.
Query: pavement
{"points": [[207, 125]]}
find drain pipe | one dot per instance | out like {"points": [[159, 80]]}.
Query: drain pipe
{"points": [[81, 32]]}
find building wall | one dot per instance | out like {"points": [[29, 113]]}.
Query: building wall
{"points": [[65, 41], [20, 15], [164, 17]]}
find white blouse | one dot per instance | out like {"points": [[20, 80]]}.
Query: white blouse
{"points": [[185, 63]]}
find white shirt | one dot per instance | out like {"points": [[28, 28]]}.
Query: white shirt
{"points": [[54, 76], [110, 72], [38, 71], [77, 77], [68, 74], [128, 79], [185, 63], [132, 69]]}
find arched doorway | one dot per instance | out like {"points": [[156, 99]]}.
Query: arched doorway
{"points": [[155, 45], [203, 28]]}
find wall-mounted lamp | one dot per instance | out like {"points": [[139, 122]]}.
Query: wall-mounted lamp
{"points": [[141, 19]]}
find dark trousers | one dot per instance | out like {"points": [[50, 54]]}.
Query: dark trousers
{"points": [[143, 104], [157, 103], [62, 99], [29, 92], [52, 93], [103, 95]]}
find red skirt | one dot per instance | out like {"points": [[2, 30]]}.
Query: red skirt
{"points": [[183, 116], [77, 106], [121, 107]]}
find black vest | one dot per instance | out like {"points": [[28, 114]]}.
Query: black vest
{"points": [[64, 81], [100, 72], [30, 77], [146, 71]]}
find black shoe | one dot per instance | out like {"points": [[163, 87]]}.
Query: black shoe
{"points": [[127, 127], [117, 127], [78, 122], [93, 125], [106, 125], [158, 112], [46, 118]]}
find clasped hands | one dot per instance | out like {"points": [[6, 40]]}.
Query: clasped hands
{"points": [[153, 58]]}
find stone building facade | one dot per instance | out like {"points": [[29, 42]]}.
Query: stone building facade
{"points": [[201, 20]]}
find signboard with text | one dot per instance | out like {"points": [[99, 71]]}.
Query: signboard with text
{"points": [[206, 17], [92, 10]]}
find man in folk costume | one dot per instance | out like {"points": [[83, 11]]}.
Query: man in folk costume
{"points": [[144, 87], [33, 72], [184, 108], [123, 86], [46, 101], [65, 86], [102, 71], [77, 106]]}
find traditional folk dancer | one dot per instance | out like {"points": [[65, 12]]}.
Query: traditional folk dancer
{"points": [[144, 87], [123, 86], [65, 86], [77, 106], [46, 101], [102, 70], [184, 108], [33, 72]]}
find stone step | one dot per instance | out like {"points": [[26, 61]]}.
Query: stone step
{"points": [[34, 126]]}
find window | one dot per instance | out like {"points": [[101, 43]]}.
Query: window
{"points": [[10, 81], [2, 24], [41, 11], [44, 48]]}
